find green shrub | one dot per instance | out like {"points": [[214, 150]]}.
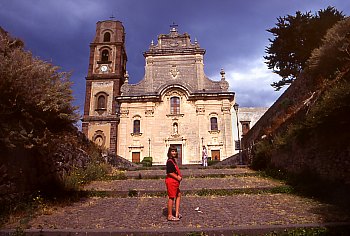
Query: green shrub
{"points": [[212, 162], [262, 155], [147, 162], [133, 193], [81, 176]]}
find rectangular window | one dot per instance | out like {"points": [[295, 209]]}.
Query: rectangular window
{"points": [[174, 105], [136, 126], [213, 123]]}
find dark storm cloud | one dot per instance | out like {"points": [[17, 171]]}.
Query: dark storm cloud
{"points": [[232, 32]]}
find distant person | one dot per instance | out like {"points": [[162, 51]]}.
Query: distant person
{"points": [[172, 181], [205, 156]]}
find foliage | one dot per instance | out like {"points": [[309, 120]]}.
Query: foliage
{"points": [[334, 54], [332, 106], [328, 108], [212, 162], [309, 184], [262, 155], [116, 175], [294, 39], [82, 176], [35, 97], [133, 193], [316, 231], [147, 162]]}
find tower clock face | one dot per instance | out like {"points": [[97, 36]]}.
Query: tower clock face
{"points": [[104, 68]]}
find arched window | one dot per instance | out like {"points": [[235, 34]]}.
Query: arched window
{"points": [[136, 127], [101, 102], [214, 123], [105, 55], [107, 37], [174, 105], [101, 99]]}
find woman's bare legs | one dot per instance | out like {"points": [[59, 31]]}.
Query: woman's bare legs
{"points": [[170, 207], [177, 205]]}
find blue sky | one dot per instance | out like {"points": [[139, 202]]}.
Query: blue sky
{"points": [[233, 32]]}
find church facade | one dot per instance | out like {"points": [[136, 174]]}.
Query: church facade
{"points": [[174, 104]]}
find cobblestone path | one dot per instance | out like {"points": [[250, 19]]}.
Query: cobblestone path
{"points": [[219, 215]]}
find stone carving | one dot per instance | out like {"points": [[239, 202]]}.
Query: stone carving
{"points": [[124, 112], [174, 71], [200, 110], [124, 88], [149, 112], [225, 109], [224, 85], [175, 127]]}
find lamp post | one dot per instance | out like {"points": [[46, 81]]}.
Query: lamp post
{"points": [[239, 140], [202, 141], [149, 147]]}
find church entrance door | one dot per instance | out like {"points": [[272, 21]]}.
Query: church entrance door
{"points": [[179, 152], [135, 157], [215, 155]]}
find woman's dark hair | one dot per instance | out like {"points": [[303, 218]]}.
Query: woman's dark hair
{"points": [[170, 149]]}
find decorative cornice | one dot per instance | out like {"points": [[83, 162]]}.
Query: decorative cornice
{"points": [[100, 118]]}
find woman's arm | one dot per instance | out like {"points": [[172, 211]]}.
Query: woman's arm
{"points": [[175, 176]]}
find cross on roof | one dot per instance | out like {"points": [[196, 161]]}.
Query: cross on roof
{"points": [[173, 27], [112, 17]]}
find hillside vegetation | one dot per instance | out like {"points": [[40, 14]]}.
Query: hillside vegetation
{"points": [[39, 142], [307, 131]]}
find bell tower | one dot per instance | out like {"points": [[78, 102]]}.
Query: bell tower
{"points": [[107, 66]]}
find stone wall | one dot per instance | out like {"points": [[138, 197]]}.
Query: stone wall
{"points": [[322, 154]]}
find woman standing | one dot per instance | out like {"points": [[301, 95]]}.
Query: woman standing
{"points": [[172, 181]]}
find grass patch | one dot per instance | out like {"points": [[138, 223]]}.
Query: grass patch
{"points": [[308, 184], [26, 207], [231, 192], [115, 175], [21, 210], [313, 231]]}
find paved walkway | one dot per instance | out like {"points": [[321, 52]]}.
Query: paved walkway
{"points": [[243, 213]]}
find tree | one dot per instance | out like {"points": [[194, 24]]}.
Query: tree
{"points": [[334, 54], [295, 37], [35, 97]]}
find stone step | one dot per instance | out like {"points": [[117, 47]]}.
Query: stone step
{"points": [[200, 172], [186, 192], [336, 228], [201, 186], [219, 215]]}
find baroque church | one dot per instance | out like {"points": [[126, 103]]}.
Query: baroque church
{"points": [[174, 104]]}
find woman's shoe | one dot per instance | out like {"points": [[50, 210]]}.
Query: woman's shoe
{"points": [[173, 218]]}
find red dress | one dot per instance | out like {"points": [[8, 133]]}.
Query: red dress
{"points": [[173, 184]]}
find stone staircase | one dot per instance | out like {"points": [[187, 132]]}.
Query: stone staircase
{"points": [[230, 201]]}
